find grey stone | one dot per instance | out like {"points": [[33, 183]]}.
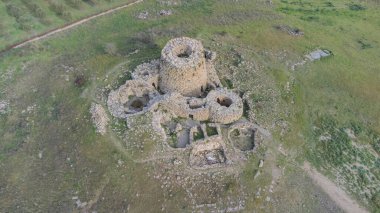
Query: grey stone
{"points": [[318, 54]]}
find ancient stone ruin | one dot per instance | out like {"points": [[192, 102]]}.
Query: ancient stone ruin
{"points": [[183, 91]]}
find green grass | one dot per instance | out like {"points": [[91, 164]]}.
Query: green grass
{"points": [[198, 135], [357, 164], [327, 96], [21, 19], [211, 130]]}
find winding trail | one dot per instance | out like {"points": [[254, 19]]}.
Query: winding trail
{"points": [[69, 26], [340, 197]]}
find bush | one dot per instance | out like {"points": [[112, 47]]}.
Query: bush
{"points": [[90, 2], [211, 130], [227, 83], [333, 150], [364, 45], [60, 10], [80, 81], [356, 7], [376, 199], [74, 3], [34, 9], [111, 49], [18, 13], [2, 29], [14, 11], [198, 135], [23, 24]]}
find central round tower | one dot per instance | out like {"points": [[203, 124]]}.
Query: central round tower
{"points": [[183, 67]]}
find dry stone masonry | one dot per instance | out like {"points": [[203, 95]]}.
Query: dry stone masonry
{"points": [[183, 67], [190, 105]]}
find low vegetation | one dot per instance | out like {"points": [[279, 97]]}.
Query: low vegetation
{"points": [[325, 112], [39, 16]]}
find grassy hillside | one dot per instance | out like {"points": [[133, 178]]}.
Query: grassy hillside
{"points": [[22, 19], [326, 112]]}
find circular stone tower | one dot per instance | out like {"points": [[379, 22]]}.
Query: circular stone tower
{"points": [[183, 67]]}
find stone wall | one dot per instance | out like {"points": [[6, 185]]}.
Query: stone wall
{"points": [[225, 106], [183, 67], [178, 105], [148, 72], [132, 97]]}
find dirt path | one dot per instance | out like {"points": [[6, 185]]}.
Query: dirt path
{"points": [[340, 197], [72, 25]]}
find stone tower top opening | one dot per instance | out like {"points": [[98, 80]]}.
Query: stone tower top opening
{"points": [[183, 52]]}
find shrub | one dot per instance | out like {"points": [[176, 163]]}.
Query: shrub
{"points": [[356, 7], [79, 81], [25, 26], [60, 10], [227, 83], [198, 135], [14, 11], [211, 130], [364, 45], [34, 9], [74, 3], [2, 29], [376, 199], [333, 150], [111, 49], [18, 13], [90, 2], [329, 4]]}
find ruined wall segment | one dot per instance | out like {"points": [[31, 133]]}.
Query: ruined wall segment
{"points": [[148, 72], [132, 97], [183, 67], [225, 106], [178, 105]]}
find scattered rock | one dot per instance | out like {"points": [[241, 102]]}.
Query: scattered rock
{"points": [[301, 63], [210, 55], [169, 2], [178, 128], [99, 118], [80, 204], [325, 137], [177, 162], [165, 12], [290, 30], [350, 133], [143, 15], [282, 151], [261, 164], [4, 106], [318, 54], [315, 55], [256, 175]]}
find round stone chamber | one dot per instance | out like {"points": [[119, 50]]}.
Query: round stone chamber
{"points": [[225, 106], [183, 67]]}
